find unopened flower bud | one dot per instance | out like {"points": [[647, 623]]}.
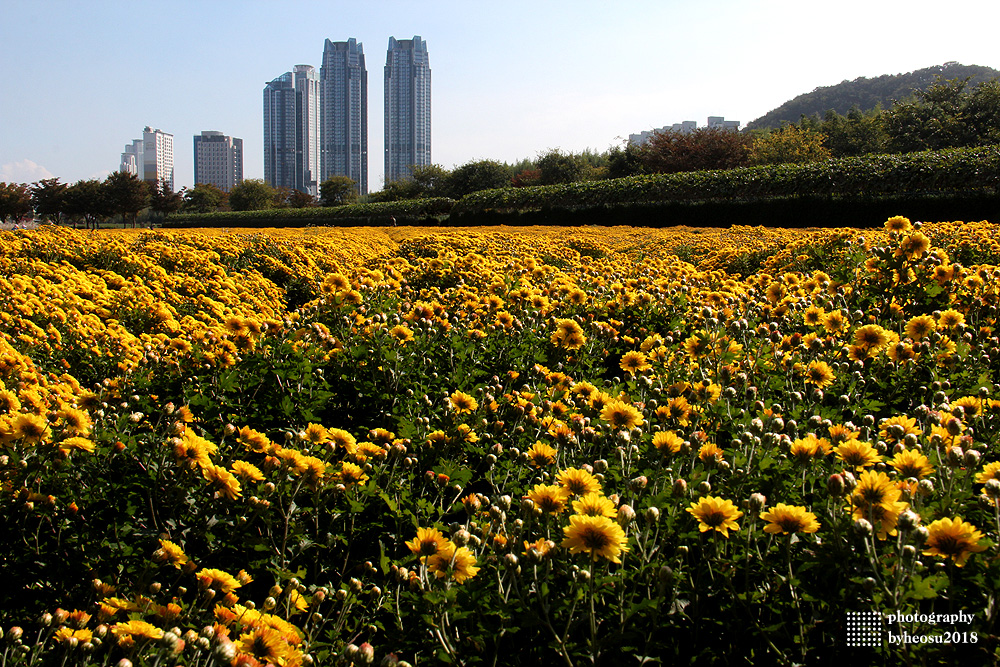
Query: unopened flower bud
{"points": [[836, 486], [970, 458], [955, 456], [757, 502], [625, 515], [908, 520]]}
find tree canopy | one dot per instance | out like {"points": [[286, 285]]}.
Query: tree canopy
{"points": [[252, 194], [204, 198], [337, 191]]}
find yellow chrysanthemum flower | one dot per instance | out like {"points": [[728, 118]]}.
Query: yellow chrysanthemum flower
{"points": [[596, 535], [715, 514], [787, 519], [953, 538]]}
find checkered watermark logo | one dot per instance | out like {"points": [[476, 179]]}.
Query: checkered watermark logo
{"points": [[864, 628], [869, 629]]}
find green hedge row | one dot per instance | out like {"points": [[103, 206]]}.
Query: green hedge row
{"points": [[790, 212], [966, 169], [416, 211], [956, 184]]}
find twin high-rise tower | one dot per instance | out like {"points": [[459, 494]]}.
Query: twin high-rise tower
{"points": [[316, 126], [407, 107]]}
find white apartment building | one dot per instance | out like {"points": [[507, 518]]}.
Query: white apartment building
{"points": [[158, 156]]}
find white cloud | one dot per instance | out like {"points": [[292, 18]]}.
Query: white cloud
{"points": [[24, 171]]}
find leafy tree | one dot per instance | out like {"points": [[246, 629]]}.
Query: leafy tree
{"points": [[15, 201], [930, 121], [790, 144], [87, 200], [252, 194], [432, 180], [982, 112], [204, 198], [945, 116], [559, 167], [857, 133], [706, 148], [398, 190], [337, 191], [299, 199], [478, 175], [625, 161], [48, 197], [126, 195], [163, 199]]}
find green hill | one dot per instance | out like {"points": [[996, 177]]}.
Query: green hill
{"points": [[868, 93]]}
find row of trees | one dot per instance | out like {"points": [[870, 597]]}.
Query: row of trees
{"points": [[123, 195], [88, 201]]}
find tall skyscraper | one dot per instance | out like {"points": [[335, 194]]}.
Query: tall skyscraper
{"points": [[157, 156], [344, 111], [218, 159], [291, 130], [407, 107]]}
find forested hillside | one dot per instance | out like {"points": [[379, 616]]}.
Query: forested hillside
{"points": [[868, 93]]}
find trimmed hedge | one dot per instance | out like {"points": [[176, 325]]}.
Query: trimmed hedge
{"points": [[410, 212], [965, 169], [950, 184], [791, 212]]}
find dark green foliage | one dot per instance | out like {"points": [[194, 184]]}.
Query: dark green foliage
{"points": [[251, 195], [337, 191], [478, 175], [203, 198], [559, 167], [126, 195], [163, 199], [87, 200], [15, 201], [927, 172], [946, 115], [416, 211], [49, 198]]}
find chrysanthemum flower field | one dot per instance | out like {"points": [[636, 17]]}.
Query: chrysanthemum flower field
{"points": [[499, 446]]}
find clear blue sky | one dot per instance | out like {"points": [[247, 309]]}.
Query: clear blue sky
{"points": [[511, 79]]}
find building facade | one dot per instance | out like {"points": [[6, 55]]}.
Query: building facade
{"points": [[131, 162], [407, 107], [157, 156], [218, 160], [344, 113], [292, 130]]}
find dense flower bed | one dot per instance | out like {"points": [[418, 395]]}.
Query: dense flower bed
{"points": [[503, 446]]}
